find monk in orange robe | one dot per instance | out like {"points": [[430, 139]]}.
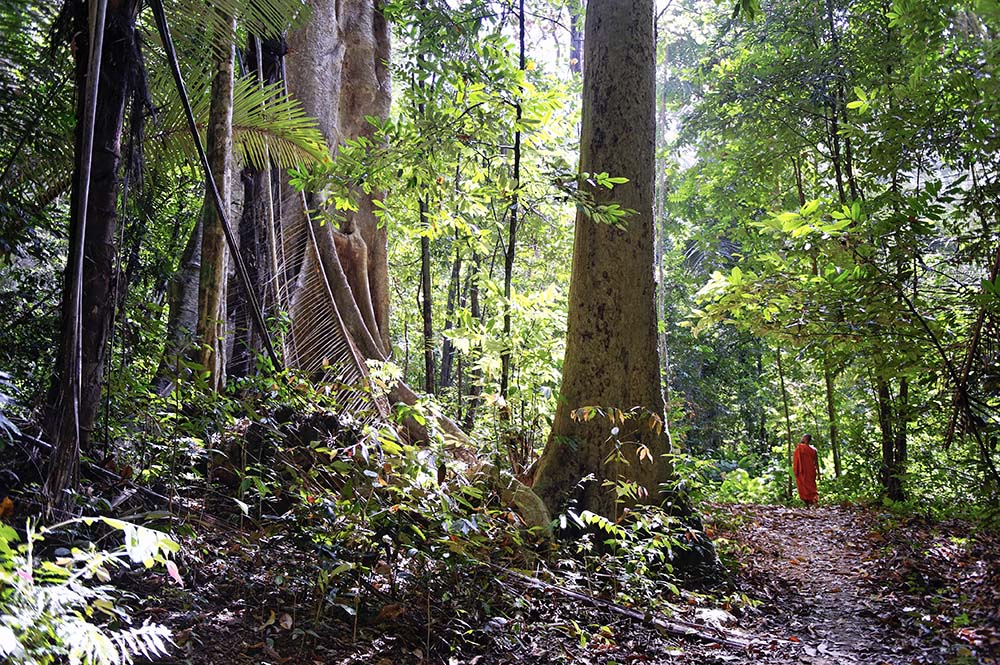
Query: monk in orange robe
{"points": [[805, 464]]}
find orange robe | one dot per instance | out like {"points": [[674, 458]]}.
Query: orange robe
{"points": [[806, 469]]}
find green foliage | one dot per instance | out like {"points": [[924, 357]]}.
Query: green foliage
{"points": [[631, 557], [52, 611], [820, 208], [267, 122]]}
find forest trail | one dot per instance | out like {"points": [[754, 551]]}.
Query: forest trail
{"points": [[815, 554], [813, 570]]}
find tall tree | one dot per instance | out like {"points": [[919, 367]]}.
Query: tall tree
{"points": [[611, 345], [87, 308]]}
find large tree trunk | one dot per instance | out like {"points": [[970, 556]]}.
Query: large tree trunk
{"points": [[337, 67], [212, 280], [611, 347], [69, 423]]}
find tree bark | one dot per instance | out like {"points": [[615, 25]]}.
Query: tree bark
{"points": [[892, 425], [426, 303], [576, 14], [476, 375], [611, 346], [447, 348], [513, 219], [256, 230], [788, 424], [83, 348], [182, 302], [337, 68], [253, 221], [831, 415], [212, 280]]}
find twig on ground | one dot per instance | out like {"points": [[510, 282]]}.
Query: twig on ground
{"points": [[676, 627]]}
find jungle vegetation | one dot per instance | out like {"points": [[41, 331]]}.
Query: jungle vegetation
{"points": [[480, 271]]}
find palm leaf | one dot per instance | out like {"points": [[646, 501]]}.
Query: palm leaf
{"points": [[267, 122], [266, 119], [194, 20], [318, 343]]}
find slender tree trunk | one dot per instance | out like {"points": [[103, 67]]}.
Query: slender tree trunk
{"points": [[447, 348], [897, 489], [513, 219], [611, 346], [426, 304], [182, 303], [576, 14], [87, 304], [788, 423], [253, 250], [831, 415], [475, 376], [839, 109], [256, 230], [893, 430], [212, 279]]}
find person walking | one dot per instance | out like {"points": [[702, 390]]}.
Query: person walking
{"points": [[805, 465]]}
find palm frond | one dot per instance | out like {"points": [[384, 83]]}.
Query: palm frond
{"points": [[266, 119], [267, 122], [318, 342], [191, 20]]}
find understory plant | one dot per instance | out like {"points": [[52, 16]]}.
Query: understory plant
{"points": [[65, 610]]}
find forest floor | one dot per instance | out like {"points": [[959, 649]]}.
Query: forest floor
{"points": [[834, 584], [853, 585]]}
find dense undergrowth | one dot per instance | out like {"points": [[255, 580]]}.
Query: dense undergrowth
{"points": [[297, 522], [367, 521]]}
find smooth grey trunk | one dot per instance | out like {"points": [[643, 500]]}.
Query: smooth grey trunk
{"points": [[337, 68], [182, 303]]}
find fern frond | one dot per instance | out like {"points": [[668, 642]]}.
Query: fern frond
{"points": [[86, 644], [149, 640]]}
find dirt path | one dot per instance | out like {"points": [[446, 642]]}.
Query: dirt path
{"points": [[813, 564]]}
